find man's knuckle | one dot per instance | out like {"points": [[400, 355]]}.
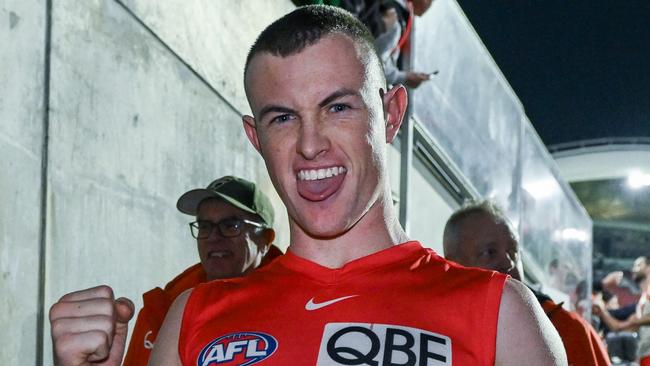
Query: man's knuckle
{"points": [[54, 311], [106, 323], [105, 291], [57, 328], [66, 344], [104, 307]]}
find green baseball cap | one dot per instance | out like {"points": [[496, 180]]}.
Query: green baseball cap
{"points": [[236, 191]]}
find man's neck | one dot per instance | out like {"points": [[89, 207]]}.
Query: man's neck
{"points": [[379, 229]]}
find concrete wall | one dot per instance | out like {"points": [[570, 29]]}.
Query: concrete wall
{"points": [[22, 49], [145, 101], [430, 205]]}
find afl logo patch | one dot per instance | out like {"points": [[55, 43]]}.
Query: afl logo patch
{"points": [[238, 349]]}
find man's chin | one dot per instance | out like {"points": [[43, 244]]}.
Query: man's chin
{"points": [[220, 274], [325, 229]]}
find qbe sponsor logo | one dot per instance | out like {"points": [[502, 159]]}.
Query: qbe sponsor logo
{"points": [[382, 345], [241, 349]]}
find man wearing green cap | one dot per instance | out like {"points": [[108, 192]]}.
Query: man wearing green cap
{"points": [[243, 217], [233, 231]]}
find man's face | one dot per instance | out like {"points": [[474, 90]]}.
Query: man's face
{"points": [[319, 125], [223, 257], [486, 244]]}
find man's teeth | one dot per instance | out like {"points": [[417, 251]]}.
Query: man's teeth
{"points": [[314, 174], [219, 254]]}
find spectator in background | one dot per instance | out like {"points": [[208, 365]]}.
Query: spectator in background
{"points": [[390, 22], [640, 320], [393, 34], [480, 235], [233, 231], [644, 317], [623, 286]]}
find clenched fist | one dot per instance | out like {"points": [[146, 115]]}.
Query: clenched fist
{"points": [[89, 327]]}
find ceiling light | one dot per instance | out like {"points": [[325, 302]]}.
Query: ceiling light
{"points": [[638, 180]]}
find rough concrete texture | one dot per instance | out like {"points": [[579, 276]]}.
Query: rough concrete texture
{"points": [[22, 32], [213, 36], [131, 128]]}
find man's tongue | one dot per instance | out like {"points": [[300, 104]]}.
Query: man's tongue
{"points": [[319, 189]]}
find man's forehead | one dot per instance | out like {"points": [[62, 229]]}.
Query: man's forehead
{"points": [[215, 205], [307, 77], [481, 223], [320, 53]]}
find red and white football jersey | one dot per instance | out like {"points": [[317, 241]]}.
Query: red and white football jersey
{"points": [[401, 306]]}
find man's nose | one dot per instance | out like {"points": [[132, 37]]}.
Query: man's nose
{"points": [[312, 141], [214, 234]]}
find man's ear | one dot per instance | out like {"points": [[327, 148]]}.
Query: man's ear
{"points": [[395, 103], [251, 131]]}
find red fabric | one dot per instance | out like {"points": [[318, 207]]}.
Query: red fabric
{"points": [[403, 287], [156, 304], [581, 342], [407, 31], [645, 361]]}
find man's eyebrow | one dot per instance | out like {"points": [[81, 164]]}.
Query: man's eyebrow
{"points": [[336, 95], [274, 109]]}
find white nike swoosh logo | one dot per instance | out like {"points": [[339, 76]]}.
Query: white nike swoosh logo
{"points": [[311, 305]]}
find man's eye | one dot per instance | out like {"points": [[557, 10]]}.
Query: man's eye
{"points": [[487, 253], [231, 224], [282, 118], [339, 107]]}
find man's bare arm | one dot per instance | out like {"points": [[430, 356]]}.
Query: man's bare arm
{"points": [[165, 350], [612, 280], [641, 321], [525, 335], [612, 323]]}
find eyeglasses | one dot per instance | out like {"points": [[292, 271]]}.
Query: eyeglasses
{"points": [[228, 228]]}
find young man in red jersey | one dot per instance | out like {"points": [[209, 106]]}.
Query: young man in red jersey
{"points": [[352, 288]]}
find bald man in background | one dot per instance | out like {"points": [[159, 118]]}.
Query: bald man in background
{"points": [[480, 235]]}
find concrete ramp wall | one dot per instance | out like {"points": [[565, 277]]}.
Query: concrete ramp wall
{"points": [[109, 110]]}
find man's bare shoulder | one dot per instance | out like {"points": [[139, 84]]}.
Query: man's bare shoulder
{"points": [[165, 351], [525, 335]]}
